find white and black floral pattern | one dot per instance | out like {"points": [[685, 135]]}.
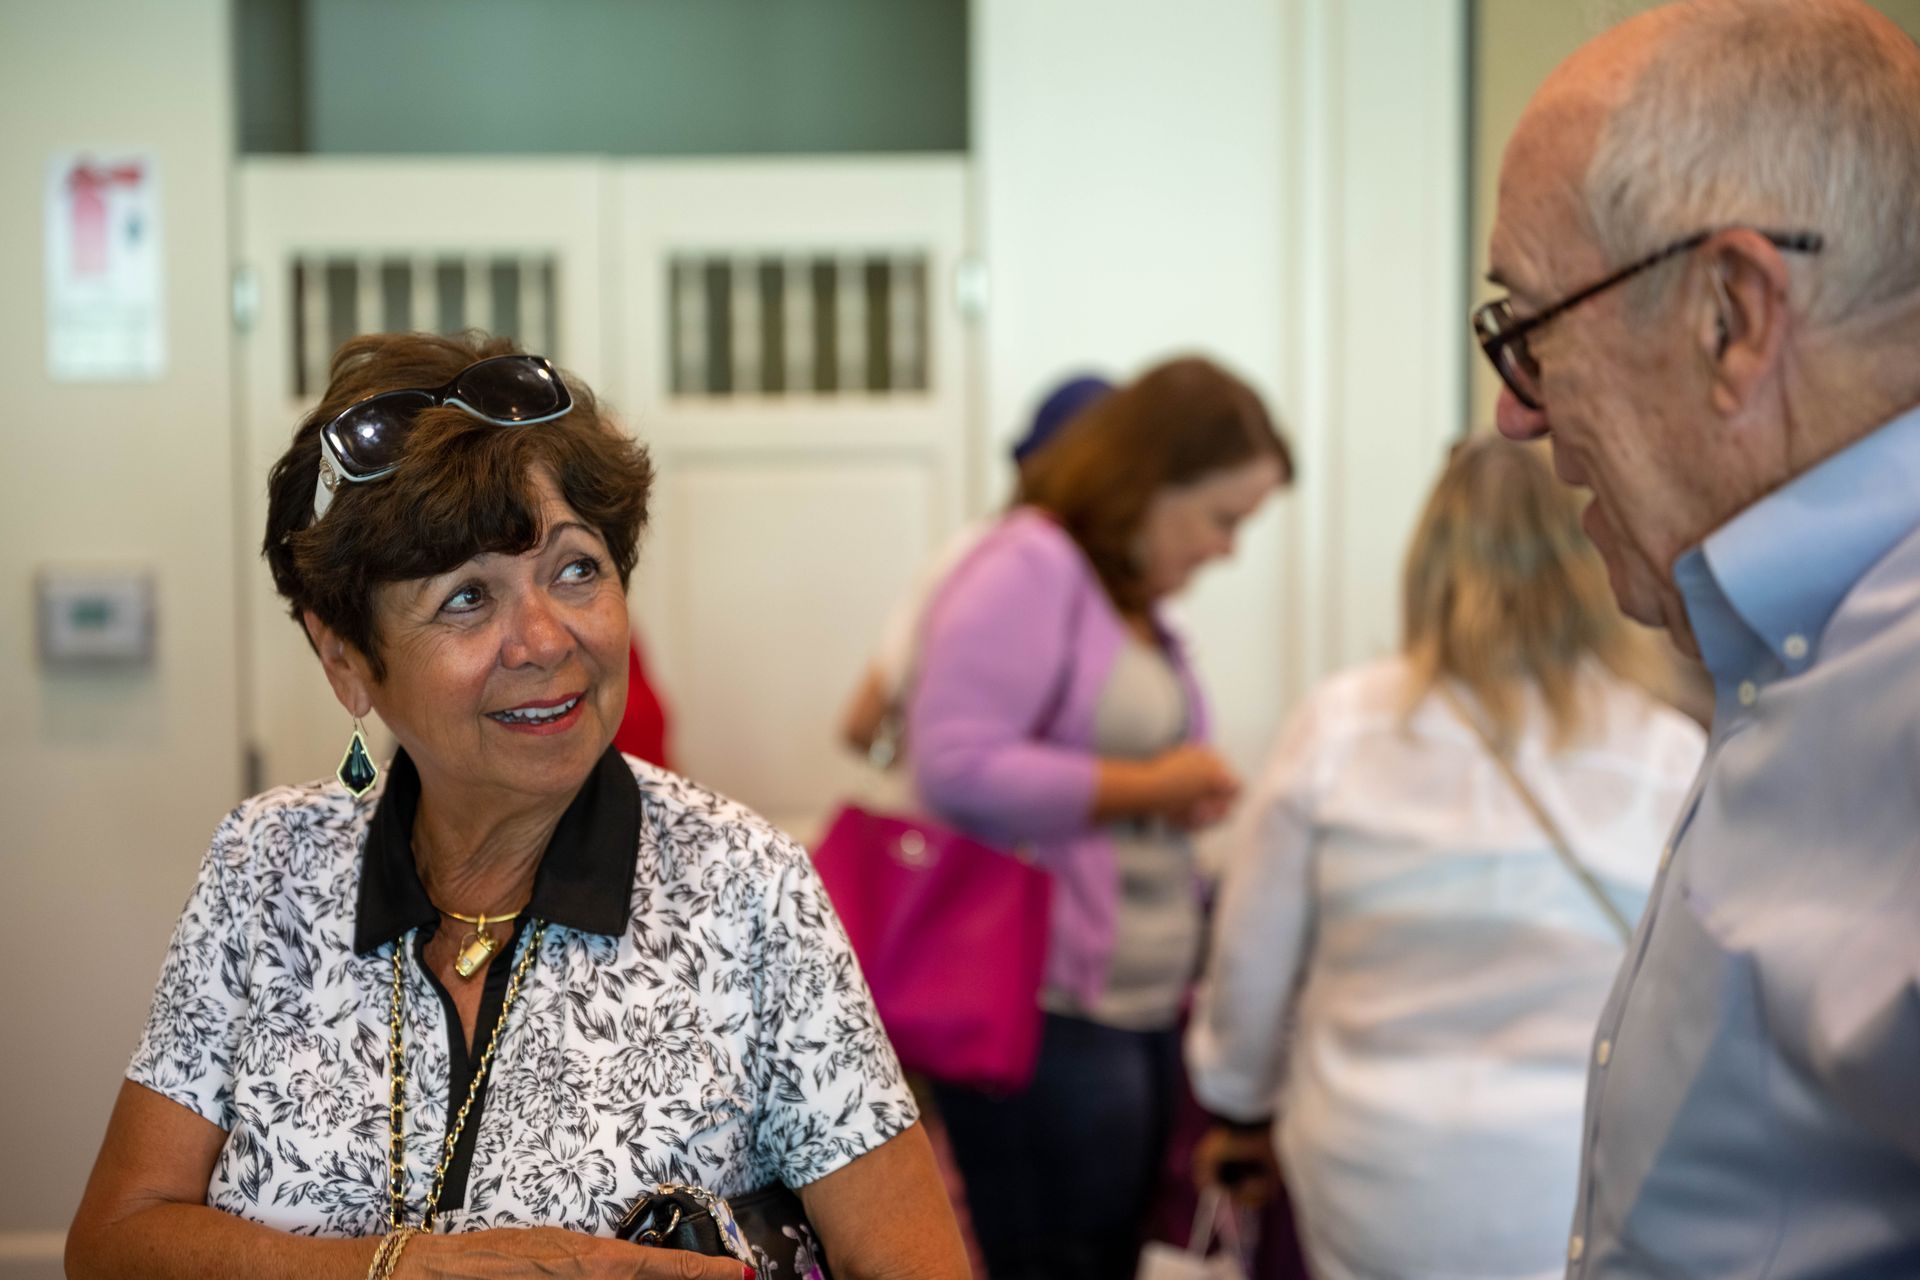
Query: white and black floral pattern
{"points": [[725, 1040]]}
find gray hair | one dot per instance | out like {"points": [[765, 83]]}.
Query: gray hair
{"points": [[1779, 115]]}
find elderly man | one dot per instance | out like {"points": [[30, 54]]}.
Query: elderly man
{"points": [[1709, 226]]}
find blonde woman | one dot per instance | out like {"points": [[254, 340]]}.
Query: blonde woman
{"points": [[1425, 902]]}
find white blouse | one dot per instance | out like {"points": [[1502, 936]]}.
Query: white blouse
{"points": [[694, 1015], [1404, 971]]}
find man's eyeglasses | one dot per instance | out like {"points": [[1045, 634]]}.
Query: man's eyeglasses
{"points": [[1503, 336], [365, 441]]}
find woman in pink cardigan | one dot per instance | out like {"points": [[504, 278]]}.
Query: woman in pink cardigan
{"points": [[1056, 712]]}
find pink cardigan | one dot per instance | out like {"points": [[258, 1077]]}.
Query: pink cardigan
{"points": [[1016, 649]]}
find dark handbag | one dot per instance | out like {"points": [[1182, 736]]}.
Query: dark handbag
{"points": [[765, 1229]]}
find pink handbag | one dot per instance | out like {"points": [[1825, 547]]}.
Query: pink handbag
{"points": [[952, 936]]}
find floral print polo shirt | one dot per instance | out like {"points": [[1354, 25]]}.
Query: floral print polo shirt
{"points": [[694, 1014]]}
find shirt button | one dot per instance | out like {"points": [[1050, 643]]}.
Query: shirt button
{"points": [[1576, 1248], [1603, 1052], [1795, 647], [1749, 693]]}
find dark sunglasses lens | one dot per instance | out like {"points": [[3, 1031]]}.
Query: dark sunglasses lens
{"points": [[369, 436], [513, 389]]}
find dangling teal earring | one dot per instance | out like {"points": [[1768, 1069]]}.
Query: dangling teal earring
{"points": [[357, 771]]}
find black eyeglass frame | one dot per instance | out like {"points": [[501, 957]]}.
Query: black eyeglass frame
{"points": [[396, 410], [1503, 337]]}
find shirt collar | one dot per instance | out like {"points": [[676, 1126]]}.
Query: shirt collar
{"points": [[1771, 578], [584, 881]]}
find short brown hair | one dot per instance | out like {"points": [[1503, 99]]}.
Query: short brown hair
{"points": [[1176, 423], [463, 487], [1502, 590]]}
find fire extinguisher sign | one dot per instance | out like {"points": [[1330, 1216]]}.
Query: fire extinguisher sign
{"points": [[106, 305]]}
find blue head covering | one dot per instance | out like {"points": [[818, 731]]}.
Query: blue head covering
{"points": [[1062, 405]]}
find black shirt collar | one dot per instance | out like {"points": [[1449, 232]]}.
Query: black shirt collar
{"points": [[584, 881]]}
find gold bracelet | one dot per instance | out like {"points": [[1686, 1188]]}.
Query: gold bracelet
{"points": [[378, 1267], [379, 1256], [387, 1257], [405, 1237]]}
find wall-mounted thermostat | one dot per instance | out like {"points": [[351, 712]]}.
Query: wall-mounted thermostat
{"points": [[95, 617]]}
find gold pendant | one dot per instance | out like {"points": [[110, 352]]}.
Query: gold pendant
{"points": [[475, 950]]}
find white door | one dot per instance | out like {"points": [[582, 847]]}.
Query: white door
{"points": [[792, 351], [333, 248]]}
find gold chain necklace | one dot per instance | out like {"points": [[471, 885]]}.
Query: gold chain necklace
{"points": [[397, 1088]]}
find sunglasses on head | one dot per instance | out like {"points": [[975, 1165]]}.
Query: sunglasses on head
{"points": [[365, 441]]}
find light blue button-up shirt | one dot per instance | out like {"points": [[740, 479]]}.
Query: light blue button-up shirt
{"points": [[1753, 1107]]}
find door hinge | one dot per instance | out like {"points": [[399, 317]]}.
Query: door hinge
{"points": [[246, 298], [970, 287]]}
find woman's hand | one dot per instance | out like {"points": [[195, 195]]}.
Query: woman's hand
{"points": [[1240, 1161], [511, 1253], [1196, 786], [866, 712], [1204, 813], [145, 1215], [1190, 786]]}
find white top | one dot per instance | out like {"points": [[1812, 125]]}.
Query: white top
{"points": [[1389, 894], [695, 1014]]}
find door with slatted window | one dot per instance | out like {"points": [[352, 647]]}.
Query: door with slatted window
{"points": [[793, 351], [785, 336], [331, 248]]}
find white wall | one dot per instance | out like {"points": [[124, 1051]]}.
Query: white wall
{"points": [[1130, 169], [1377, 299], [1277, 185], [109, 784]]}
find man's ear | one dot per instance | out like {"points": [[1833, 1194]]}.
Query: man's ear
{"points": [[346, 667], [1743, 325]]}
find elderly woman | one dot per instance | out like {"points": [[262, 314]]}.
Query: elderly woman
{"points": [[1427, 902], [456, 1018]]}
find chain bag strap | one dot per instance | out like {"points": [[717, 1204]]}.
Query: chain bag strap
{"points": [[397, 1088], [1562, 847]]}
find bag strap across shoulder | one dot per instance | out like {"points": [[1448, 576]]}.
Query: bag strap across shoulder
{"points": [[1562, 847]]}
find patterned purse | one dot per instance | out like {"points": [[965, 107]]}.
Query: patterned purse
{"points": [[765, 1229]]}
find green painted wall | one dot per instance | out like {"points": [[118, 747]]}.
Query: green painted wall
{"points": [[620, 77]]}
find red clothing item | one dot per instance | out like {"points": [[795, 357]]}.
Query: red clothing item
{"points": [[643, 729]]}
